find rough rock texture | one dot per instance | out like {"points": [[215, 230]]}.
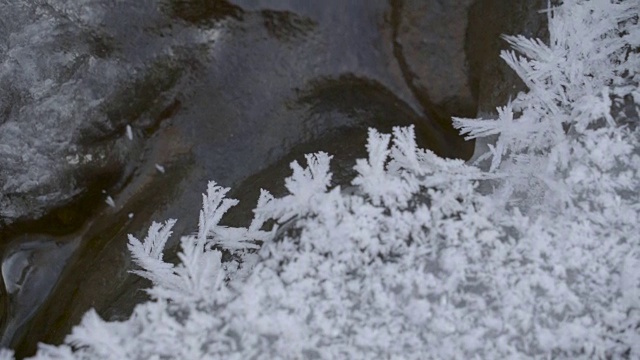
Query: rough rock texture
{"points": [[73, 75]]}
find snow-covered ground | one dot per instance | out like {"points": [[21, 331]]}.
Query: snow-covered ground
{"points": [[538, 255]]}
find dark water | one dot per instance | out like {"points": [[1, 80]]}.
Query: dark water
{"points": [[212, 90], [30, 268]]}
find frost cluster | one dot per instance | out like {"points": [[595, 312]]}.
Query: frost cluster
{"points": [[414, 262]]}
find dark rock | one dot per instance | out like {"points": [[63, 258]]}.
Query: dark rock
{"points": [[202, 12], [30, 268], [430, 37], [73, 76], [492, 80]]}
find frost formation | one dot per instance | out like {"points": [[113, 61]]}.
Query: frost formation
{"points": [[418, 263]]}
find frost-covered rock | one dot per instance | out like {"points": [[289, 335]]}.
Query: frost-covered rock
{"points": [[324, 78], [416, 262]]}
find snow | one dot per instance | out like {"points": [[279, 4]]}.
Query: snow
{"points": [[418, 262]]}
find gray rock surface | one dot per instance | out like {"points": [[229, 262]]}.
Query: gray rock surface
{"points": [[73, 75], [431, 37]]}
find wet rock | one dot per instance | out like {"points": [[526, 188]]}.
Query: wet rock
{"points": [[429, 40], [491, 79], [73, 75], [30, 268]]}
